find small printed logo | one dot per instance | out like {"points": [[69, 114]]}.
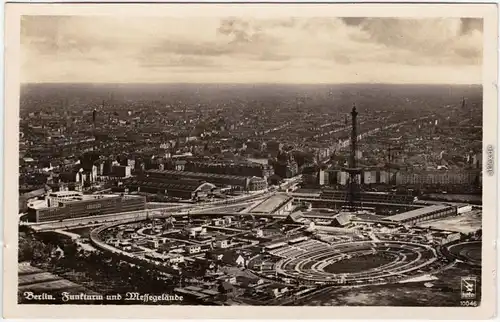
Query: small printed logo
{"points": [[490, 160], [468, 287]]}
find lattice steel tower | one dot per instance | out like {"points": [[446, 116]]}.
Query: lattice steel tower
{"points": [[353, 170]]}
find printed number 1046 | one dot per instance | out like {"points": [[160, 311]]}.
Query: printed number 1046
{"points": [[468, 303]]}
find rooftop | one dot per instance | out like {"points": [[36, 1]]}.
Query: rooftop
{"points": [[342, 219], [416, 212], [63, 194], [195, 174], [183, 185], [271, 203], [70, 198], [297, 216]]}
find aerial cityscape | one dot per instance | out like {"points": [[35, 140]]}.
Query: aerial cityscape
{"points": [[266, 193]]}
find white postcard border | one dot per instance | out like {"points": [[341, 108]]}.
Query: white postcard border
{"points": [[11, 129]]}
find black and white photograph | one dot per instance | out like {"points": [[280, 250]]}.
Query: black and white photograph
{"points": [[245, 160]]}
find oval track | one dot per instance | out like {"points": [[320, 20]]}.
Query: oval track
{"points": [[469, 252], [355, 262]]}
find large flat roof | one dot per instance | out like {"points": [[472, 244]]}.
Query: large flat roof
{"points": [[65, 193], [41, 204], [88, 197], [196, 174], [271, 203], [416, 212], [172, 184]]}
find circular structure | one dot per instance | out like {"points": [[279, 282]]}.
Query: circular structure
{"points": [[469, 252], [356, 263]]}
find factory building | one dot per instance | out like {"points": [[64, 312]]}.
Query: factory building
{"points": [[230, 168], [277, 204], [184, 189], [422, 214], [72, 204], [439, 177], [380, 176], [236, 182], [367, 176], [368, 196]]}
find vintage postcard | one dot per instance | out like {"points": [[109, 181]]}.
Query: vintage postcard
{"points": [[250, 160]]}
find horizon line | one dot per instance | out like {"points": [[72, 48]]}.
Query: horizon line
{"points": [[244, 83]]}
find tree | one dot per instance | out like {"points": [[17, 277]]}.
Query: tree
{"points": [[25, 250]]}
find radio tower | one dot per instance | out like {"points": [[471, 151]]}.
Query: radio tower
{"points": [[353, 170]]}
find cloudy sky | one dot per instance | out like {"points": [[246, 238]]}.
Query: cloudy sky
{"points": [[207, 50]]}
